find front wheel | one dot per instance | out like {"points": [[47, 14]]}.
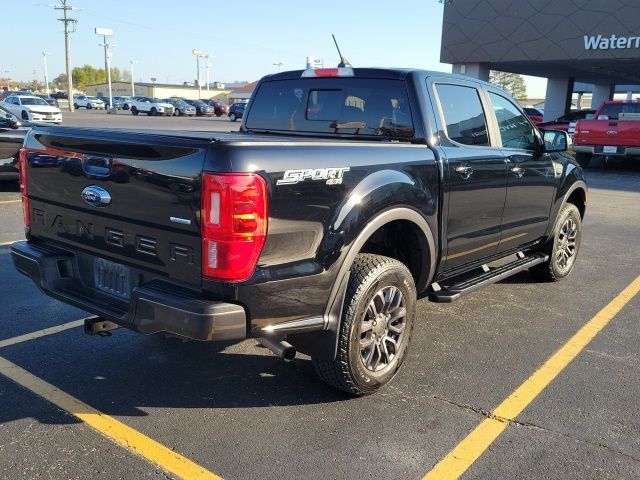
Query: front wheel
{"points": [[563, 248], [134, 111], [232, 117], [25, 115], [89, 107], [376, 327], [75, 105]]}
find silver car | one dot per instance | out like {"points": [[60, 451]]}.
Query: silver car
{"points": [[182, 107]]}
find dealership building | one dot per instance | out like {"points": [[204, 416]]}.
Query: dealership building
{"points": [[570, 42]]}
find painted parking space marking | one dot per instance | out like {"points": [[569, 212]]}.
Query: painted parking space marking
{"points": [[2, 202], [458, 460], [4, 244], [108, 426], [41, 333]]}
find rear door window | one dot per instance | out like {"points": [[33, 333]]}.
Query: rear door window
{"points": [[464, 117], [340, 106]]}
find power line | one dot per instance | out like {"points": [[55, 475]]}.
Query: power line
{"points": [[69, 28]]}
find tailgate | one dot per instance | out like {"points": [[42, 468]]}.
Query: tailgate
{"points": [[133, 198], [622, 133]]}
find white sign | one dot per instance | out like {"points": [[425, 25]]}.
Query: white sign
{"points": [[613, 42], [104, 31]]}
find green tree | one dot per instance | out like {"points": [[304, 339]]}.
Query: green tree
{"points": [[511, 82], [60, 82]]}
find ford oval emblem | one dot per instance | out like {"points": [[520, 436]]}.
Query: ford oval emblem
{"points": [[96, 196]]}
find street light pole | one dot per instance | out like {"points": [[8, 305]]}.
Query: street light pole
{"points": [[46, 73], [278, 65], [133, 87], [107, 32], [198, 54], [207, 68]]}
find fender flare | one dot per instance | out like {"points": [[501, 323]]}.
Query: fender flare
{"points": [[325, 343]]}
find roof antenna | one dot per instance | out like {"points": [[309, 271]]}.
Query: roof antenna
{"points": [[343, 61]]}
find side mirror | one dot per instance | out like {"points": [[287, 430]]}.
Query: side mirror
{"points": [[555, 141], [10, 121]]}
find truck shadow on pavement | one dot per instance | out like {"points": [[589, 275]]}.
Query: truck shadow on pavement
{"points": [[127, 374]]}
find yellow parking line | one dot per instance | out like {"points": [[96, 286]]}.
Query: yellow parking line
{"points": [[475, 443], [41, 333], [10, 201], [108, 426]]}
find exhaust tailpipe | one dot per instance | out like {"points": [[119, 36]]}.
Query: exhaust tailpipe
{"points": [[279, 348]]}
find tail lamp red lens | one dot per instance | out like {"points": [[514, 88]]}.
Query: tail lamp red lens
{"points": [[234, 224], [22, 170]]}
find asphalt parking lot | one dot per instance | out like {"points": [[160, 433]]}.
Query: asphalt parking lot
{"points": [[238, 412]]}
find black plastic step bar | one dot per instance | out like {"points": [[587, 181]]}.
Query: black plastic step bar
{"points": [[449, 293]]}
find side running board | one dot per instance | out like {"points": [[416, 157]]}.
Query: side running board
{"points": [[449, 293]]}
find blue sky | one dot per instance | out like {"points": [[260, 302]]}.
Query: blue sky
{"points": [[246, 38]]}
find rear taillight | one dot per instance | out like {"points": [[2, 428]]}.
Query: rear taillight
{"points": [[234, 224], [22, 165]]}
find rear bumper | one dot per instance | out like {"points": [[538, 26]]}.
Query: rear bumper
{"points": [[149, 310], [598, 150]]}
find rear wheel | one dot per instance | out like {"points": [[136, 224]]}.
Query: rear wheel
{"points": [[376, 326], [583, 159], [125, 107], [563, 248], [134, 110]]}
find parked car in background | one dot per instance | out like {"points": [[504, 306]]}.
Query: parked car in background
{"points": [[61, 95], [614, 131], [181, 107], [32, 108], [88, 102], [151, 106], [126, 102], [567, 123], [50, 100], [202, 108], [534, 114], [236, 111], [117, 103], [11, 138], [218, 107]]}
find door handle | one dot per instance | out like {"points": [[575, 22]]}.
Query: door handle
{"points": [[464, 171], [517, 171]]}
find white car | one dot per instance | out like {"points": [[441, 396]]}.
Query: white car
{"points": [[151, 106], [32, 109], [88, 102]]}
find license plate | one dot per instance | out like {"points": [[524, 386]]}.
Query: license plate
{"points": [[112, 278], [609, 149], [49, 115]]}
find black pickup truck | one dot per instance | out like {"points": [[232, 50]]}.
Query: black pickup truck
{"points": [[345, 195]]}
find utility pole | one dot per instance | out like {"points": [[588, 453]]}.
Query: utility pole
{"points": [[46, 73], [278, 65], [207, 66], [198, 53], [69, 27]]}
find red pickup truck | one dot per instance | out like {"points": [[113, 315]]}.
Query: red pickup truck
{"points": [[613, 131]]}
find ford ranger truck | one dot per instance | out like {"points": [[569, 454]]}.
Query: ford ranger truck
{"points": [[347, 192], [614, 131]]}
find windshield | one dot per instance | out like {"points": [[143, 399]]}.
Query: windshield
{"points": [[32, 101], [339, 106]]}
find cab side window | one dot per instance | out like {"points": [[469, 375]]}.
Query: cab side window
{"points": [[464, 116], [515, 129]]}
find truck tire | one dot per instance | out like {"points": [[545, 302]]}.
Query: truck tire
{"points": [[563, 247], [376, 327], [583, 159]]}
